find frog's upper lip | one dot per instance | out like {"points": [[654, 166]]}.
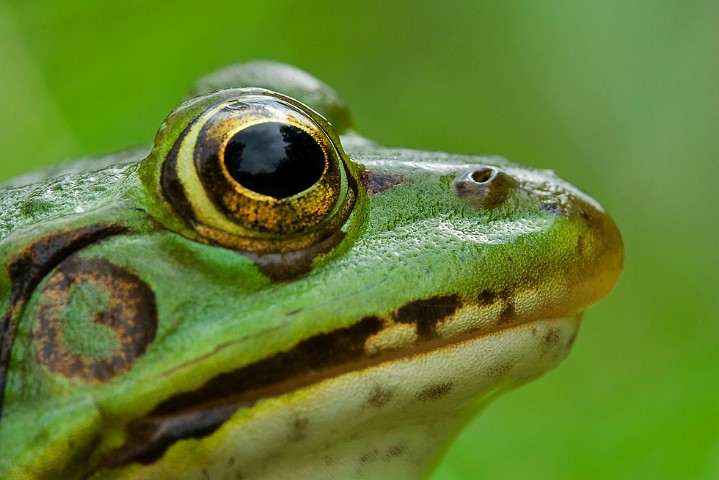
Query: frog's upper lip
{"points": [[200, 413]]}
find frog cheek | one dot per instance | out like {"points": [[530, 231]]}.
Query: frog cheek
{"points": [[94, 320]]}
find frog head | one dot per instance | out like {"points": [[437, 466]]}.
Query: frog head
{"points": [[267, 294]]}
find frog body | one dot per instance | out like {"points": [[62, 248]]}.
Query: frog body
{"points": [[186, 313]]}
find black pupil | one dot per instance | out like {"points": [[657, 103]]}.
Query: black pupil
{"points": [[274, 159]]}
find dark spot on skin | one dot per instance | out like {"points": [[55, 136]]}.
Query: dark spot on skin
{"points": [[370, 456], [427, 313], [130, 313], [487, 297], [551, 337], [199, 413], [550, 341], [379, 397], [509, 258], [29, 266], [508, 314], [376, 182], [205, 475], [231, 461], [299, 429], [396, 452], [434, 392], [583, 213], [499, 370], [580, 245]]}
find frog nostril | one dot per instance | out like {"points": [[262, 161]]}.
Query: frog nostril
{"points": [[485, 187], [483, 175]]}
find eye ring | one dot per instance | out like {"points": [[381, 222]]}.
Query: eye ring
{"points": [[260, 172], [261, 212]]}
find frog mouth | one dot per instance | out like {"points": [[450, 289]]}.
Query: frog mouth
{"points": [[200, 413]]}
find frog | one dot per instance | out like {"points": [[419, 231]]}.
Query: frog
{"points": [[264, 293]]}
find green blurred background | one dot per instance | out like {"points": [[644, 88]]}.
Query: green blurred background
{"points": [[619, 97]]}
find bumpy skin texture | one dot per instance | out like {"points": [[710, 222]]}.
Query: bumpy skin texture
{"points": [[134, 347]]}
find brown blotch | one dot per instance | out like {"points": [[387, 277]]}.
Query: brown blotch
{"points": [[499, 370], [370, 456], [550, 344], [508, 314], [299, 429], [487, 297], [131, 315], [427, 313], [376, 182], [379, 397], [29, 266], [434, 392], [396, 451], [550, 339]]}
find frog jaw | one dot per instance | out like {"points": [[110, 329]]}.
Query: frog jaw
{"points": [[393, 419]]}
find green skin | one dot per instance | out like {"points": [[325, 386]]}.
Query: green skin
{"points": [[363, 360]]}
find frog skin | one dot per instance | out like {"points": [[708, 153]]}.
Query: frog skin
{"points": [[266, 294]]}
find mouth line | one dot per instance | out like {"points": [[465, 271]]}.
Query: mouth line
{"points": [[200, 413]]}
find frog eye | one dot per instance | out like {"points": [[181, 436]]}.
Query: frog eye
{"points": [[260, 172], [485, 187]]}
